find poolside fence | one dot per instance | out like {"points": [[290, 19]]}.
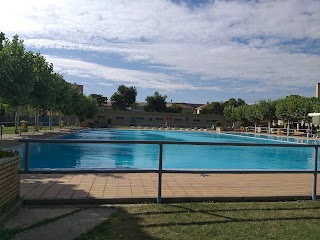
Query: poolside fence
{"points": [[160, 169]]}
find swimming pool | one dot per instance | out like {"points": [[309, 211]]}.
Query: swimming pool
{"points": [[174, 156]]}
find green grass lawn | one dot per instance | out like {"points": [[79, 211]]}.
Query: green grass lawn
{"points": [[279, 220], [10, 130]]}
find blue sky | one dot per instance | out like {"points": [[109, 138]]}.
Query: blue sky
{"points": [[192, 51]]}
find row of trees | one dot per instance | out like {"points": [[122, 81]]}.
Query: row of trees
{"points": [[291, 109], [125, 98], [218, 107], [27, 80]]}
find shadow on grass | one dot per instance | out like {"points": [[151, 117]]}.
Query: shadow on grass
{"points": [[210, 212], [121, 225], [240, 215], [200, 221]]}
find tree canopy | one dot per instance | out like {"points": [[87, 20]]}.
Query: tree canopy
{"points": [[174, 108], [99, 99], [28, 80], [124, 98], [156, 103], [214, 107]]}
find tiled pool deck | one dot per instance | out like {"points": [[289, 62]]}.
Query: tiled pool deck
{"points": [[131, 186]]}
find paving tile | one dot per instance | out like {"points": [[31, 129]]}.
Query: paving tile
{"points": [[137, 185]]}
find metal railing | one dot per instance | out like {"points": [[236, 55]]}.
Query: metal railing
{"points": [[160, 169]]}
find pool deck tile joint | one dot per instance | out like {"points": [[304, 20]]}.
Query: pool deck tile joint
{"points": [[175, 186]]}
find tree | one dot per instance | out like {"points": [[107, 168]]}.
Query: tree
{"points": [[16, 74], [90, 108], [156, 103], [315, 103], [229, 113], [235, 103], [2, 38], [99, 99], [124, 97], [240, 114], [266, 111], [84, 107], [293, 108], [252, 115], [174, 108], [214, 107], [43, 94]]}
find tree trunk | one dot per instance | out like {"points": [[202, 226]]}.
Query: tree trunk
{"points": [[59, 119], [36, 120], [269, 127], [68, 121], [16, 120], [50, 119], [255, 127], [288, 128]]}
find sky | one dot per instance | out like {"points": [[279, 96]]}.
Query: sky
{"points": [[192, 51]]}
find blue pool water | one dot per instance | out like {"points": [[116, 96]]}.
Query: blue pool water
{"points": [[174, 156]]}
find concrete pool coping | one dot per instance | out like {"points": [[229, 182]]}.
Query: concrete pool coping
{"points": [[107, 188]]}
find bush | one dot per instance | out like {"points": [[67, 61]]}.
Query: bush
{"points": [[8, 153], [109, 120], [218, 124]]}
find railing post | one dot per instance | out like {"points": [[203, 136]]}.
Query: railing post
{"points": [[160, 174], [315, 173], [26, 157]]}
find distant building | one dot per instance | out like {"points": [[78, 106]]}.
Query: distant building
{"points": [[198, 109], [186, 107], [80, 87]]}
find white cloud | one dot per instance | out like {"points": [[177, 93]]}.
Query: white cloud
{"points": [[105, 84], [225, 43], [137, 78]]}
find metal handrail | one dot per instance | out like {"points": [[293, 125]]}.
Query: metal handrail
{"points": [[160, 170]]}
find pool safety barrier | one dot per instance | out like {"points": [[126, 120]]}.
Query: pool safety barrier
{"points": [[160, 170]]}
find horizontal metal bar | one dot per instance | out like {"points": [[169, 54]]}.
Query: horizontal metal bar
{"points": [[78, 141], [237, 171], [64, 171]]}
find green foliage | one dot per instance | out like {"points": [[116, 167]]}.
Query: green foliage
{"points": [[8, 153], [99, 99], [218, 124], [174, 108], [16, 73], [109, 121], [28, 80], [235, 103], [266, 110], [2, 38], [214, 107], [43, 94], [6, 110], [315, 102], [240, 114], [293, 108], [156, 103], [251, 113], [229, 113], [124, 97]]}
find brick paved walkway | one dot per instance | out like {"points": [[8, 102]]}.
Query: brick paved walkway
{"points": [[135, 185]]}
